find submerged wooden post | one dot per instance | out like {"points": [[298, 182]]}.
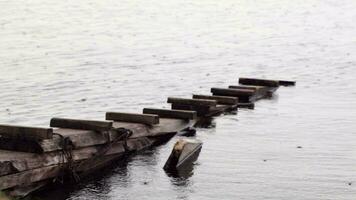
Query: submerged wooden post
{"points": [[185, 152], [148, 118]]}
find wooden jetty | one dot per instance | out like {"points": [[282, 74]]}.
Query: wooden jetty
{"points": [[33, 157]]}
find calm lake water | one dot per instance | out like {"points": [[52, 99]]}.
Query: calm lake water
{"points": [[79, 59]]}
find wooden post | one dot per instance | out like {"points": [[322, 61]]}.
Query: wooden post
{"points": [[81, 124], [219, 99], [25, 132], [148, 118], [177, 114], [260, 82]]}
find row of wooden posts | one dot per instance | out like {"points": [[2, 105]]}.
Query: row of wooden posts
{"points": [[33, 156]]}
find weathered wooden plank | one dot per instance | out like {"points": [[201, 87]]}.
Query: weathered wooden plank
{"points": [[232, 92], [248, 87], [148, 118], [192, 102], [20, 145], [201, 110], [220, 99], [243, 94], [41, 167], [177, 114], [28, 177], [81, 124], [286, 83], [260, 82], [25, 132]]}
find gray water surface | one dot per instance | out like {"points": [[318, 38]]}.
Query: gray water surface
{"points": [[79, 59]]}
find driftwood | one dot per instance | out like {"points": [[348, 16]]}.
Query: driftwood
{"points": [[25, 132], [135, 118], [81, 124], [177, 114]]}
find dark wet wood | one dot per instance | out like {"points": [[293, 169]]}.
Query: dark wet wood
{"points": [[81, 124], [219, 99], [25, 132], [148, 118], [177, 114], [192, 102], [260, 82], [201, 110], [243, 94], [286, 83]]}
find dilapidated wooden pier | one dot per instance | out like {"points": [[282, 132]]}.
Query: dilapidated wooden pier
{"points": [[32, 157]]}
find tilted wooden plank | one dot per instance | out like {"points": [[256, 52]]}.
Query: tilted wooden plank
{"points": [[177, 114], [25, 132], [81, 124], [134, 118], [260, 82], [286, 83], [192, 102], [220, 99]]}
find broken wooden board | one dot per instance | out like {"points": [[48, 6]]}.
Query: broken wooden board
{"points": [[185, 152], [25, 132], [176, 114], [149, 118], [225, 100], [81, 124]]}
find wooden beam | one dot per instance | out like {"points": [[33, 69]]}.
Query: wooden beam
{"points": [[177, 114], [81, 124], [260, 82], [232, 92], [25, 132], [248, 87], [225, 100], [286, 83], [134, 118], [192, 102]]}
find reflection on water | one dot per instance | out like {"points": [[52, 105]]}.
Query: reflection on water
{"points": [[80, 59]]}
